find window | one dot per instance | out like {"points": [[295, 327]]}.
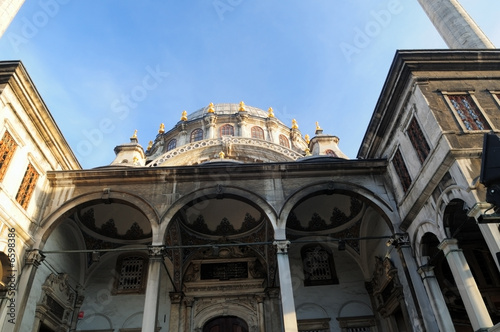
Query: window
{"points": [[319, 268], [401, 170], [196, 135], [131, 273], [466, 109], [257, 132], [418, 140], [27, 186], [7, 148], [284, 141], [172, 144], [227, 130], [330, 153], [314, 325]]}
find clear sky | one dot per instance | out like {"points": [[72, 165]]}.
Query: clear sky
{"points": [[105, 68]]}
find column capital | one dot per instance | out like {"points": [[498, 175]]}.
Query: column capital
{"points": [[282, 246], [176, 297], [156, 252], [34, 257], [189, 301], [448, 245]]}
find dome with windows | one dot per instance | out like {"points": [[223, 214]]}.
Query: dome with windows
{"points": [[228, 133]]}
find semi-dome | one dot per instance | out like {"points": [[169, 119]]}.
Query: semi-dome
{"points": [[227, 132]]}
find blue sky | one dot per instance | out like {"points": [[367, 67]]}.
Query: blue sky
{"points": [[105, 68]]}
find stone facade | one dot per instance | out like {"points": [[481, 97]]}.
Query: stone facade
{"points": [[235, 228]]}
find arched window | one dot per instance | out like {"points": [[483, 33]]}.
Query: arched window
{"points": [[330, 153], [172, 144], [227, 130], [284, 141], [319, 267], [196, 135], [257, 132]]}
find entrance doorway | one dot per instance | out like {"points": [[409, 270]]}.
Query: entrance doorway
{"points": [[226, 324]]}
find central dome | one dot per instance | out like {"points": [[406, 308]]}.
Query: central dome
{"points": [[229, 109], [228, 133]]}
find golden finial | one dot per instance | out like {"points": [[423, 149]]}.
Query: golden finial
{"points": [[162, 128], [184, 116], [222, 155], [150, 145], [135, 134], [294, 124], [211, 108], [308, 152], [242, 106], [317, 126], [307, 138], [270, 113], [135, 160]]}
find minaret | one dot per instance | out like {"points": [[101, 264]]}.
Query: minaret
{"points": [[8, 9], [455, 25]]}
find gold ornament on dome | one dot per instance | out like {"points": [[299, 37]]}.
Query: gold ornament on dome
{"points": [[294, 124], [211, 108], [270, 113], [184, 116], [317, 126], [307, 138], [222, 155], [242, 106], [162, 128], [307, 151], [135, 134], [150, 145]]}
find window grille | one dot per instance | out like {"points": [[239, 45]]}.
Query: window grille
{"points": [[418, 140], [284, 141], [172, 144], [468, 112], [257, 132], [27, 186], [7, 148], [401, 170], [196, 135], [227, 130], [132, 274], [318, 266]]}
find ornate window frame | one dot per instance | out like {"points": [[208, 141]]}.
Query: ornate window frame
{"points": [[7, 154], [196, 135], [172, 144], [226, 130], [284, 141], [257, 132], [399, 164], [314, 325], [318, 265], [418, 139], [459, 119], [27, 186]]}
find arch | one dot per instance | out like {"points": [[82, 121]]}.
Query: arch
{"points": [[57, 216], [424, 227], [330, 152], [226, 130], [284, 141], [196, 135], [450, 193], [217, 192], [99, 321], [309, 310], [257, 132], [134, 319], [330, 187], [233, 308], [355, 308]]}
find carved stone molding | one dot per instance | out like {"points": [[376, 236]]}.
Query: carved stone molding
{"points": [[34, 257], [156, 252], [282, 246]]}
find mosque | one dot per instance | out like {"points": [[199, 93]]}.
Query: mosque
{"points": [[234, 221]]}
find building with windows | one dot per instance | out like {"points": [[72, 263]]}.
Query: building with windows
{"points": [[234, 221]]}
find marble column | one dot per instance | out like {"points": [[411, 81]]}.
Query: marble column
{"points": [[33, 260], [175, 308], [474, 304], [188, 301], [488, 230], [260, 308], [150, 315], [436, 298], [422, 301], [286, 289]]}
